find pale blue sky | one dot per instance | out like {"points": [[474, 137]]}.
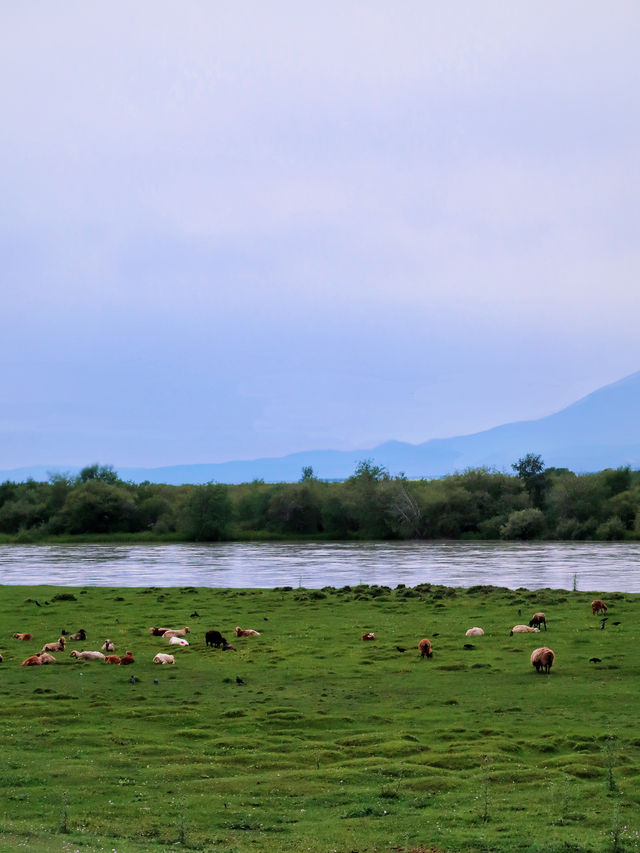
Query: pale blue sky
{"points": [[242, 229]]}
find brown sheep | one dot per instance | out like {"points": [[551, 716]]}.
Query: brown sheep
{"points": [[598, 606], [369, 636], [542, 659], [425, 649], [46, 658], [128, 658], [55, 647], [113, 659], [22, 637], [246, 632], [34, 660], [537, 620]]}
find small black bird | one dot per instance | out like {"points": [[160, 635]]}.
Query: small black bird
{"points": [[400, 649], [519, 612], [132, 679], [265, 618], [616, 623], [194, 615], [469, 646], [37, 603], [602, 621], [155, 681], [64, 633], [239, 680], [595, 660]]}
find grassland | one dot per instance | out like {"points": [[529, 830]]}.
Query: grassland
{"points": [[331, 743]]}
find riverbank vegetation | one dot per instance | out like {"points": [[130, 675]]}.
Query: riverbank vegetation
{"points": [[307, 738], [531, 503]]}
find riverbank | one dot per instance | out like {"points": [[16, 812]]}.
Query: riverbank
{"points": [[308, 738]]}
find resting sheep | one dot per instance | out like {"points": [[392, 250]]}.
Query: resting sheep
{"points": [[79, 635], [474, 632], [162, 658], [22, 637], [598, 606], [369, 636], [177, 632], [55, 647], [127, 659], [158, 632], [537, 620], [86, 655], [112, 659], [39, 660], [542, 659], [178, 641], [108, 646], [246, 632], [523, 629], [425, 649], [214, 639]]}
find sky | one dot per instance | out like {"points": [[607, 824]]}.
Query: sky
{"points": [[240, 229]]}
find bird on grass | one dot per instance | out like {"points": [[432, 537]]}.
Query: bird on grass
{"points": [[400, 649], [239, 680], [155, 681], [132, 680], [194, 615], [602, 621], [595, 660]]}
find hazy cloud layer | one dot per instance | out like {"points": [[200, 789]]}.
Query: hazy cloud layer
{"points": [[233, 230]]}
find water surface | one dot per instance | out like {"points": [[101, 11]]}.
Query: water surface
{"points": [[601, 566]]}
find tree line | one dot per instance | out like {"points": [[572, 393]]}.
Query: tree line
{"points": [[532, 503]]}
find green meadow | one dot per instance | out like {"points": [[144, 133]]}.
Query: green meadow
{"points": [[329, 743]]}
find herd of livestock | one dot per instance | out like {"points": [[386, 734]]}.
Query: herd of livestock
{"points": [[542, 659]]}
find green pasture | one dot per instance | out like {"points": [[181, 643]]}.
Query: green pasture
{"points": [[330, 743]]}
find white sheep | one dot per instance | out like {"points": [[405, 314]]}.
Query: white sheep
{"points": [[162, 658], [523, 629], [55, 647], [176, 632], [86, 655], [178, 641], [474, 632]]}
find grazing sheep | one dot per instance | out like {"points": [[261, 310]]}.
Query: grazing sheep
{"points": [[127, 659], [162, 658], [523, 629], [158, 632], [79, 635], [178, 641], [425, 649], [55, 647], [86, 655], [176, 632], [214, 639], [108, 646], [542, 659], [598, 606], [474, 632], [369, 636], [246, 632], [22, 637], [537, 620], [113, 659]]}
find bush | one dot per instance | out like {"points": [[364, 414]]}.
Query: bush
{"points": [[524, 524]]}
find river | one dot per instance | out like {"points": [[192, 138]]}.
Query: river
{"points": [[597, 566]]}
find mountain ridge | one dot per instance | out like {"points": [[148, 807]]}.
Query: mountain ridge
{"points": [[599, 430]]}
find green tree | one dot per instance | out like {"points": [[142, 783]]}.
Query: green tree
{"points": [[207, 513], [103, 473], [530, 469]]}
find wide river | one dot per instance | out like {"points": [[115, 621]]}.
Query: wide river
{"points": [[597, 566]]}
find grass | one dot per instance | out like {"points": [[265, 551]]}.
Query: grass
{"points": [[331, 743]]}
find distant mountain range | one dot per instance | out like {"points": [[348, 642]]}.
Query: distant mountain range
{"points": [[601, 430]]}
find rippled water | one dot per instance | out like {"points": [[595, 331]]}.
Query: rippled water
{"points": [[597, 566]]}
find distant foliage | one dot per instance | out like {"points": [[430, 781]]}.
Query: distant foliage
{"points": [[480, 503]]}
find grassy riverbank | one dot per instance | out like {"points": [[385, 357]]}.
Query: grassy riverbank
{"points": [[330, 743]]}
